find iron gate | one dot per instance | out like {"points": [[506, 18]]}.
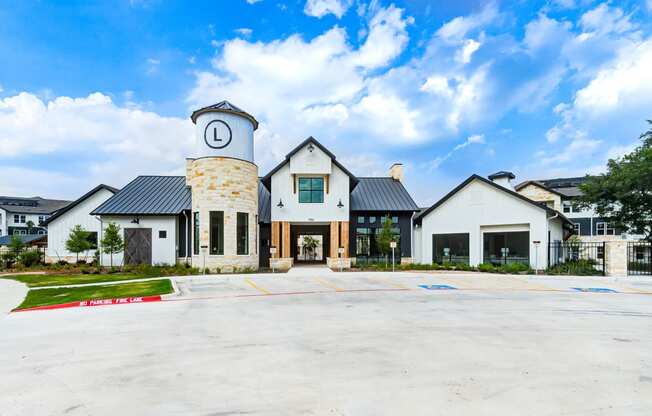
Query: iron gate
{"points": [[593, 253], [639, 258]]}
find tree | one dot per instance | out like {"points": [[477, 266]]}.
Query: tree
{"points": [[112, 241], [30, 226], [16, 245], [77, 241], [623, 194], [309, 245], [385, 237]]}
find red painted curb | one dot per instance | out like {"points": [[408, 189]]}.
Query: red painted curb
{"points": [[97, 302]]}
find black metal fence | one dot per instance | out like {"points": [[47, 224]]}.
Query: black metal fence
{"points": [[363, 260], [10, 256], [451, 258], [639, 258], [591, 254]]}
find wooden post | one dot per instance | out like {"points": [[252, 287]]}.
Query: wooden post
{"points": [[335, 242], [286, 239], [344, 235], [276, 233]]}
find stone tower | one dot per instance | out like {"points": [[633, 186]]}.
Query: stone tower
{"points": [[224, 182]]}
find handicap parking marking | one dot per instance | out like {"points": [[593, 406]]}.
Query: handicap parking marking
{"points": [[438, 287], [595, 289]]}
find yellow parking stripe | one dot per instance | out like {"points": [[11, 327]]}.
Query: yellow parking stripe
{"points": [[388, 282], [329, 285], [255, 286]]}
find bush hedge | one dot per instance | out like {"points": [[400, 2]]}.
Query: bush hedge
{"points": [[575, 268]]}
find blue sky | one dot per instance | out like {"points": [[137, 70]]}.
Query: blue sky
{"points": [[99, 92]]}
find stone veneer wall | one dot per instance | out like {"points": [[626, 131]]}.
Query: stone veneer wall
{"points": [[539, 194], [229, 185]]}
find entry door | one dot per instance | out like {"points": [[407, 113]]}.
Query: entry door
{"points": [[138, 246]]}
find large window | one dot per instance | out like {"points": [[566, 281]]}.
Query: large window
{"points": [[506, 248], [603, 228], [311, 190], [362, 242], [216, 232], [242, 233], [450, 248], [195, 233]]}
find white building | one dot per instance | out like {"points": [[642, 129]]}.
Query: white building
{"points": [[76, 213], [24, 216], [485, 221]]}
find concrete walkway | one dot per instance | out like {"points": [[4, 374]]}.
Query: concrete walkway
{"points": [[12, 294]]}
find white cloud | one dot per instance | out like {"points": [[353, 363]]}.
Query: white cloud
{"points": [[464, 55], [152, 65], [253, 1], [439, 160], [459, 27], [115, 143], [244, 31], [320, 8], [604, 19]]}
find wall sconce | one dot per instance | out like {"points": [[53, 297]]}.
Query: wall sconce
{"points": [[311, 148], [280, 203], [136, 220], [340, 204]]}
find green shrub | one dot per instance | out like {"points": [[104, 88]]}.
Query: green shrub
{"points": [[576, 268], [487, 268], [29, 258]]}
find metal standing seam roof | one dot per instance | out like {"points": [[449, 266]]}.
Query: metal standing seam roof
{"points": [[381, 194], [264, 204], [149, 195]]}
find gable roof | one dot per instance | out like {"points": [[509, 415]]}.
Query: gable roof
{"points": [[419, 218], [34, 205], [267, 179], [381, 194], [149, 195], [81, 199], [224, 107], [539, 184]]}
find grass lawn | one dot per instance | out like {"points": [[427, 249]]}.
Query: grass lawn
{"points": [[41, 280], [42, 297]]}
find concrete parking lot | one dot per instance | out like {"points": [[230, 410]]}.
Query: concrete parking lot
{"points": [[320, 343]]}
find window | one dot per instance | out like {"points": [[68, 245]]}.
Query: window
{"points": [[19, 219], [216, 232], [363, 242], [360, 220], [22, 219], [372, 220], [195, 233], [566, 205], [576, 228], [394, 220], [162, 234], [603, 228], [92, 239], [450, 248], [41, 218], [242, 233], [311, 190], [507, 247]]}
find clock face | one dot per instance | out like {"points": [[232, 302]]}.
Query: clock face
{"points": [[217, 134]]}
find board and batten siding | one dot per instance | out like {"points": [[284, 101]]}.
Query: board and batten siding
{"points": [[479, 208], [59, 229], [164, 250]]}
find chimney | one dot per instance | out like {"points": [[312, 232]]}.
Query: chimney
{"points": [[396, 172], [503, 178]]}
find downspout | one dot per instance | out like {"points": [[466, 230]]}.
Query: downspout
{"points": [[99, 243], [187, 251], [548, 236]]}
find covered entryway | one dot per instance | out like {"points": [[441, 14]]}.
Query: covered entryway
{"points": [[138, 246], [310, 243]]}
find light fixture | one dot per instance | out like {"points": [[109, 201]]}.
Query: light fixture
{"points": [[280, 203], [340, 204], [311, 147], [136, 220]]}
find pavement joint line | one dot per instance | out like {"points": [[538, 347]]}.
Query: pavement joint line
{"points": [[255, 286], [328, 284], [389, 282]]}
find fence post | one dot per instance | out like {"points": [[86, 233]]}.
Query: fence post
{"points": [[604, 258], [549, 250]]}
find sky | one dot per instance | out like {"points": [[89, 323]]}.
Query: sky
{"points": [[100, 92]]}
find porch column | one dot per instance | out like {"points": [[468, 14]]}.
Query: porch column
{"points": [[276, 233], [286, 239], [344, 233], [335, 241]]}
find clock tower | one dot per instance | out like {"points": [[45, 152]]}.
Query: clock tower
{"points": [[224, 182]]}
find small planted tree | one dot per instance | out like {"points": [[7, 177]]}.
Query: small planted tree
{"points": [[385, 237], [15, 247], [30, 226], [112, 242], [309, 245], [77, 241]]}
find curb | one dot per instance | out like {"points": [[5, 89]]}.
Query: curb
{"points": [[97, 302]]}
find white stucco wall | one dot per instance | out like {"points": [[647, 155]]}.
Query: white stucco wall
{"points": [[306, 164], [164, 251], [59, 229], [480, 208], [3, 222]]}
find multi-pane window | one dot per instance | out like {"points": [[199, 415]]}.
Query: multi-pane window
{"points": [[19, 219], [566, 205], [242, 232], [394, 220], [195, 233], [311, 190], [576, 228], [372, 220], [41, 218], [360, 220], [603, 228], [216, 232], [363, 241]]}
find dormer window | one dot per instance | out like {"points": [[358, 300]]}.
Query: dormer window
{"points": [[311, 190]]}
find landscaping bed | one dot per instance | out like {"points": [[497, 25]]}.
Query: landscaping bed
{"points": [[55, 296], [514, 268]]}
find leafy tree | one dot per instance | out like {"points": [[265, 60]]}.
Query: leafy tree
{"points": [[309, 245], [30, 226], [77, 241], [385, 237], [624, 193], [16, 245], [112, 241]]}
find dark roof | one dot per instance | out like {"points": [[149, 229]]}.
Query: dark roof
{"points": [[539, 184], [33, 205], [418, 218], [381, 194], [149, 195], [264, 204], [223, 107], [26, 238], [563, 182], [568, 187], [267, 179], [79, 201], [502, 174]]}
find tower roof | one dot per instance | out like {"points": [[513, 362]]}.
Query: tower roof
{"points": [[224, 107]]}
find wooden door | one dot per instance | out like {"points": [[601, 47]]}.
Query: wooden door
{"points": [[138, 246]]}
